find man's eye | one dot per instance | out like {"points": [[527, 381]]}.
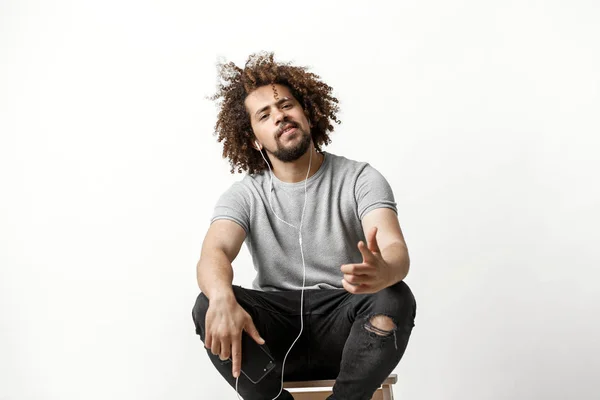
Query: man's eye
{"points": [[287, 106], [262, 117]]}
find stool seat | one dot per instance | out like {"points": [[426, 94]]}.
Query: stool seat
{"points": [[320, 389]]}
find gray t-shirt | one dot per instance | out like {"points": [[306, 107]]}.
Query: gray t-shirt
{"points": [[339, 195]]}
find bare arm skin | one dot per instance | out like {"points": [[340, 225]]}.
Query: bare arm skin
{"points": [[225, 318], [385, 255]]}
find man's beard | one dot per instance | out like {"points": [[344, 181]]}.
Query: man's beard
{"points": [[293, 153]]}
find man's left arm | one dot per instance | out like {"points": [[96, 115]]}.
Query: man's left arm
{"points": [[385, 255]]}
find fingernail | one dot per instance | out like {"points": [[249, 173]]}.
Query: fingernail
{"points": [[262, 340], [236, 374]]}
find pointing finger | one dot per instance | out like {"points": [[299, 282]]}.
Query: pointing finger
{"points": [[236, 356]]}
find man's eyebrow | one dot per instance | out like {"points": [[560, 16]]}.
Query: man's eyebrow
{"points": [[278, 103]]}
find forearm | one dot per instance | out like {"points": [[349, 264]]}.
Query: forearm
{"points": [[215, 274], [396, 257]]}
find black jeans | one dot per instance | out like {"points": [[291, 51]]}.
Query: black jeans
{"points": [[337, 342]]}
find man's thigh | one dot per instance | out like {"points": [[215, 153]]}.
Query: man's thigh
{"points": [[333, 312], [276, 316], [330, 319]]}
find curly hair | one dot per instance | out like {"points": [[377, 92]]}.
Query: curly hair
{"points": [[233, 121]]}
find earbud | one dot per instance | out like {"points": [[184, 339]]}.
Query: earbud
{"points": [[258, 145]]}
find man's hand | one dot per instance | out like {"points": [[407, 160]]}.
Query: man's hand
{"points": [[225, 321], [373, 274]]}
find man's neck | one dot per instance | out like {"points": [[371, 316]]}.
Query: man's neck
{"points": [[295, 171]]}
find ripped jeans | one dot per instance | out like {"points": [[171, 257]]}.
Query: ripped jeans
{"points": [[342, 338]]}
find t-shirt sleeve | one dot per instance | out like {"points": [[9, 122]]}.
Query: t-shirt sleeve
{"points": [[373, 191], [234, 205]]}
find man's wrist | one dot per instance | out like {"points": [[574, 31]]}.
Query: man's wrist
{"points": [[222, 294]]}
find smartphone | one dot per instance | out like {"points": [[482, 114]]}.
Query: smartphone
{"points": [[257, 361]]}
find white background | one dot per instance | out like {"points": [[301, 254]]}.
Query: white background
{"points": [[483, 116]]}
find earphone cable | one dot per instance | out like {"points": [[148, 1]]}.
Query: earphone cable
{"points": [[303, 264]]}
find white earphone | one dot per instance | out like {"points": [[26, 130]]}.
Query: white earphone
{"points": [[299, 228]]}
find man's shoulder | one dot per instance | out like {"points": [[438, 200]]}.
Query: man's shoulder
{"points": [[345, 163], [247, 182]]}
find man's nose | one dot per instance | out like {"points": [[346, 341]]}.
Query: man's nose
{"points": [[279, 116]]}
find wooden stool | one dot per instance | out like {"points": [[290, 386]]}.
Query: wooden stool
{"points": [[319, 390]]}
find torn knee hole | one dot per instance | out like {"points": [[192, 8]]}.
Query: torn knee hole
{"points": [[381, 325]]}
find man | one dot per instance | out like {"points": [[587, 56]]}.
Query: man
{"points": [[323, 232]]}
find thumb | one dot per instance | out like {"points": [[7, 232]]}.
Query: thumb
{"points": [[372, 240], [253, 332]]}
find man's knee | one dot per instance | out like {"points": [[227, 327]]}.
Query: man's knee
{"points": [[396, 296], [395, 305], [383, 323], [382, 326], [199, 314]]}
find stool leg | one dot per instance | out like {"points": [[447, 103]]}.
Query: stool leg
{"points": [[388, 394]]}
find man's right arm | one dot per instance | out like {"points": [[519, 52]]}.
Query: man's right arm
{"points": [[225, 318], [220, 247]]}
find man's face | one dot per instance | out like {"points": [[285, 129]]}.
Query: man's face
{"points": [[279, 122]]}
